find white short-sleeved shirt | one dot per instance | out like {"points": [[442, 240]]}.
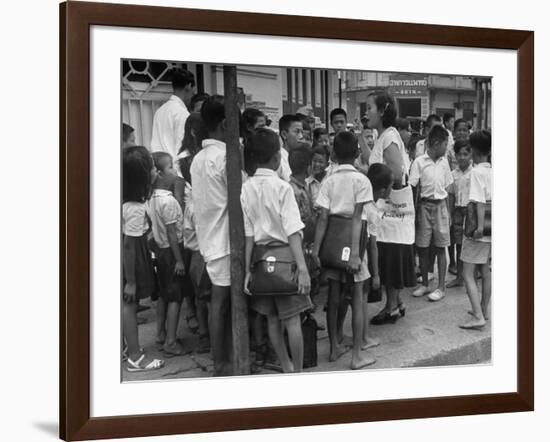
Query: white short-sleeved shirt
{"points": [[461, 186], [313, 185], [209, 197], [189, 230], [374, 219], [433, 177], [164, 210], [481, 183], [169, 126], [481, 187], [270, 210], [342, 190], [284, 171], [388, 137], [134, 219]]}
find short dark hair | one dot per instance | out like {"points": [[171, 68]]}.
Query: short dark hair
{"points": [[136, 174], [338, 111], [127, 130], [458, 122], [196, 98], [158, 157], [431, 118], [248, 120], [438, 134], [480, 141], [386, 103], [402, 123], [286, 121], [447, 116], [212, 113], [263, 145], [462, 144], [380, 176], [299, 158], [318, 133], [345, 146], [181, 78], [321, 150]]}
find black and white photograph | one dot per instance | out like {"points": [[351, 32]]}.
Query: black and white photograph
{"points": [[281, 219]]}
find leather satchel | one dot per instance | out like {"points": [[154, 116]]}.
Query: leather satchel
{"points": [[335, 251], [273, 271], [471, 222]]}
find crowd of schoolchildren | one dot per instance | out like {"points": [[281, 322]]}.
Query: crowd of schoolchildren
{"points": [[351, 210]]}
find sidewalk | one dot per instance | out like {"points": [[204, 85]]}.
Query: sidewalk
{"points": [[428, 335]]}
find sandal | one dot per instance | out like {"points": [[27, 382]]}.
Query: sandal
{"points": [[385, 317], [137, 366]]}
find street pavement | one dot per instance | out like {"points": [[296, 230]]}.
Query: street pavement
{"points": [[428, 335]]}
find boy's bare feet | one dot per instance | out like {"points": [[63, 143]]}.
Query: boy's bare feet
{"points": [[174, 349], [362, 362], [457, 282], [474, 324], [370, 343], [337, 353]]}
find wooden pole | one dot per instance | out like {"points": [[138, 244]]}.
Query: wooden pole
{"points": [[239, 309]]}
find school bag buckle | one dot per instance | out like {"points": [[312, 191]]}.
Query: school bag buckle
{"points": [[271, 260], [346, 252]]}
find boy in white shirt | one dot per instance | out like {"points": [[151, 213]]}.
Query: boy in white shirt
{"points": [[271, 217], [431, 174], [209, 196], [167, 223], [291, 132], [476, 250], [345, 193]]}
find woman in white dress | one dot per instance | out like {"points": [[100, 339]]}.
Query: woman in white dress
{"points": [[395, 237]]}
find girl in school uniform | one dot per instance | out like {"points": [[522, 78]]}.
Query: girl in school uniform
{"points": [[138, 174]]}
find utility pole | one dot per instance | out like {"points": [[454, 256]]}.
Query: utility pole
{"points": [[239, 309]]}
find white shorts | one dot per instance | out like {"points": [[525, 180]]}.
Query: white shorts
{"points": [[219, 271]]}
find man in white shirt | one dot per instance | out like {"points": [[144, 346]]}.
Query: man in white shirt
{"points": [[169, 119]]}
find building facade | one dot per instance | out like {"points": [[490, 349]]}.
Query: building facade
{"points": [[276, 91], [419, 95]]}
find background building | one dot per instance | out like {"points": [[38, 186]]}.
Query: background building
{"points": [[313, 92], [419, 95]]}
